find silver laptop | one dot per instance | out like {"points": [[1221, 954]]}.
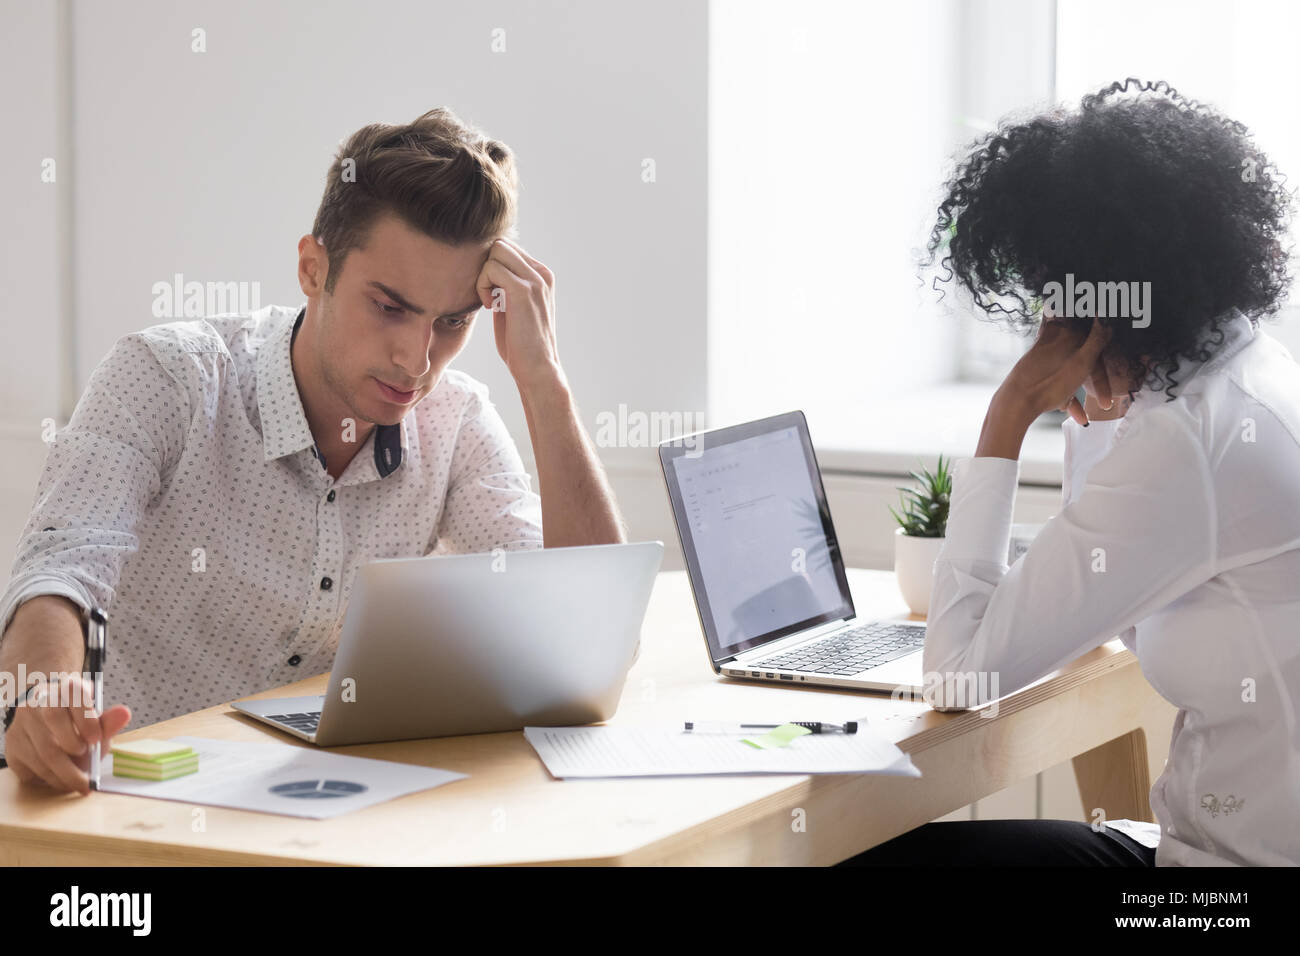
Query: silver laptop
{"points": [[469, 644], [765, 565]]}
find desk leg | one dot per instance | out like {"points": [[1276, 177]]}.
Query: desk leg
{"points": [[1117, 776]]}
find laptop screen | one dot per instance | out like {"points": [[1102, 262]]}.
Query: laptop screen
{"points": [[756, 532]]}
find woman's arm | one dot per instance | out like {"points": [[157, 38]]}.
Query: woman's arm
{"points": [[1140, 533], [1046, 377]]}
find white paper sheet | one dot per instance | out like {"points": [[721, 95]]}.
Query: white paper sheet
{"points": [[648, 751], [278, 778], [1148, 834]]}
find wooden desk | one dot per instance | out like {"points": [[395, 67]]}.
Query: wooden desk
{"points": [[1098, 710]]}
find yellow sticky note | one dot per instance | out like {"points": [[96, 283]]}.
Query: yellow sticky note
{"points": [[777, 737], [151, 749]]}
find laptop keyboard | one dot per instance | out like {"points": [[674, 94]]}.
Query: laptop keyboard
{"points": [[304, 722], [850, 652]]}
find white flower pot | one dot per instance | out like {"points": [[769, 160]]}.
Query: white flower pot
{"points": [[914, 567]]}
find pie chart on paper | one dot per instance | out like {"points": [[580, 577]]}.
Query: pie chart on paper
{"points": [[318, 789]]}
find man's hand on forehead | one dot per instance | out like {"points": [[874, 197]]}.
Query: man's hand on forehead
{"points": [[520, 292]]}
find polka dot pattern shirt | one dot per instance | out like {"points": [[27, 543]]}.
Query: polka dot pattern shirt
{"points": [[187, 498]]}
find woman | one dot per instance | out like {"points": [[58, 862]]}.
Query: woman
{"points": [[1180, 525]]}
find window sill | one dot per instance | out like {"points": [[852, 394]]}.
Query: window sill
{"points": [[938, 419]]}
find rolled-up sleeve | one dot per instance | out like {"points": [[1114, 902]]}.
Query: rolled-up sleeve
{"points": [[100, 473], [490, 500], [1139, 533]]}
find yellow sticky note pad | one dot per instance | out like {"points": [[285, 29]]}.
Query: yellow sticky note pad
{"points": [[777, 737], [151, 749]]}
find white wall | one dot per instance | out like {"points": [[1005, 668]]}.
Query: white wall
{"points": [[32, 270]]}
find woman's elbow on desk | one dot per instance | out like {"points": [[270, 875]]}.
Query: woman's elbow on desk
{"points": [[958, 673]]}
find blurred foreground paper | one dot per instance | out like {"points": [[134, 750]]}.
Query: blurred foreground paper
{"points": [[658, 752], [283, 779]]}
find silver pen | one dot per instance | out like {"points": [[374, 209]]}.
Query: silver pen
{"points": [[96, 649]]}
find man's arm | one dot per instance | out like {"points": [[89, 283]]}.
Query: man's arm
{"points": [[50, 737], [577, 504], [45, 636], [99, 476]]}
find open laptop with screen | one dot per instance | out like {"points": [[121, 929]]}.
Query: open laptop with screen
{"points": [[443, 645], [765, 565]]}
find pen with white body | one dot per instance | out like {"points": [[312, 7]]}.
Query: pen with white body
{"points": [[722, 727], [96, 648]]}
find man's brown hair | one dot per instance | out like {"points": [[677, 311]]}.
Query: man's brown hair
{"points": [[442, 177]]}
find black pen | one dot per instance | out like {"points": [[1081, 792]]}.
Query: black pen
{"points": [[96, 650], [721, 727]]}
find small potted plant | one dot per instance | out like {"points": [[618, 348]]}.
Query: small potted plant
{"points": [[917, 541]]}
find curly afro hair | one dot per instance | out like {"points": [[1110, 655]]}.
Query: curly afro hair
{"points": [[1139, 184]]}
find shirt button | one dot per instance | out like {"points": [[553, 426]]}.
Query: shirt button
{"points": [[330, 496], [295, 660], [326, 584]]}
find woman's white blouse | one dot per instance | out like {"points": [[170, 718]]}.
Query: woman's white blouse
{"points": [[1180, 533]]}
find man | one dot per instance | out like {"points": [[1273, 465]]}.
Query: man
{"points": [[254, 462]]}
